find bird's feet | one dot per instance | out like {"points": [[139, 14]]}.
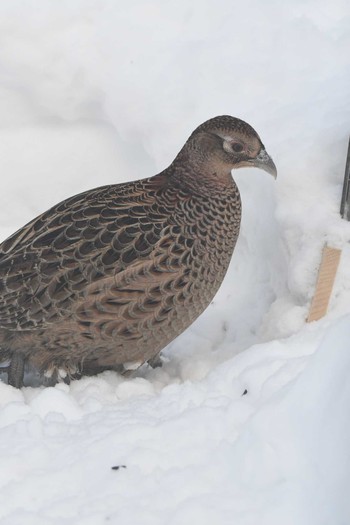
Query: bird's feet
{"points": [[15, 370], [155, 362]]}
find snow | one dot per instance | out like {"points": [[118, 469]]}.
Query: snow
{"points": [[246, 422]]}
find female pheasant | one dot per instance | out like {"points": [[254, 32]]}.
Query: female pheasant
{"points": [[105, 279]]}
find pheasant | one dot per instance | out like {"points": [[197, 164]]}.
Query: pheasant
{"points": [[106, 279]]}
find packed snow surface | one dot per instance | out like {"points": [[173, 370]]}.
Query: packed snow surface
{"points": [[247, 422]]}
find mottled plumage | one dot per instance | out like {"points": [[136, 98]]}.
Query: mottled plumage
{"points": [[107, 278]]}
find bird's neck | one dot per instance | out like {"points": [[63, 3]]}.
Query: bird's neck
{"points": [[200, 175]]}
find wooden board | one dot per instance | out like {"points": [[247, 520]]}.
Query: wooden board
{"points": [[324, 286]]}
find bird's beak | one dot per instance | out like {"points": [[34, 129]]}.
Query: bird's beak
{"points": [[264, 162]]}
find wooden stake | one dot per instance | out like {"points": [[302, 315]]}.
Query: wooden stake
{"points": [[330, 258], [326, 275]]}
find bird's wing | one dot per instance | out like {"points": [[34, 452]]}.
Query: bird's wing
{"points": [[48, 265]]}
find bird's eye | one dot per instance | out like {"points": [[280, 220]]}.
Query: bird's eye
{"points": [[237, 147]]}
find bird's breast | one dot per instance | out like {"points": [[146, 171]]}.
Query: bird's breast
{"points": [[209, 229]]}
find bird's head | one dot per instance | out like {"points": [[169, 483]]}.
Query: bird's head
{"points": [[225, 143]]}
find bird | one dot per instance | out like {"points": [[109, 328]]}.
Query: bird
{"points": [[104, 280]]}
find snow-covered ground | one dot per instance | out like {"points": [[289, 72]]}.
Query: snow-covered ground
{"points": [[248, 420]]}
